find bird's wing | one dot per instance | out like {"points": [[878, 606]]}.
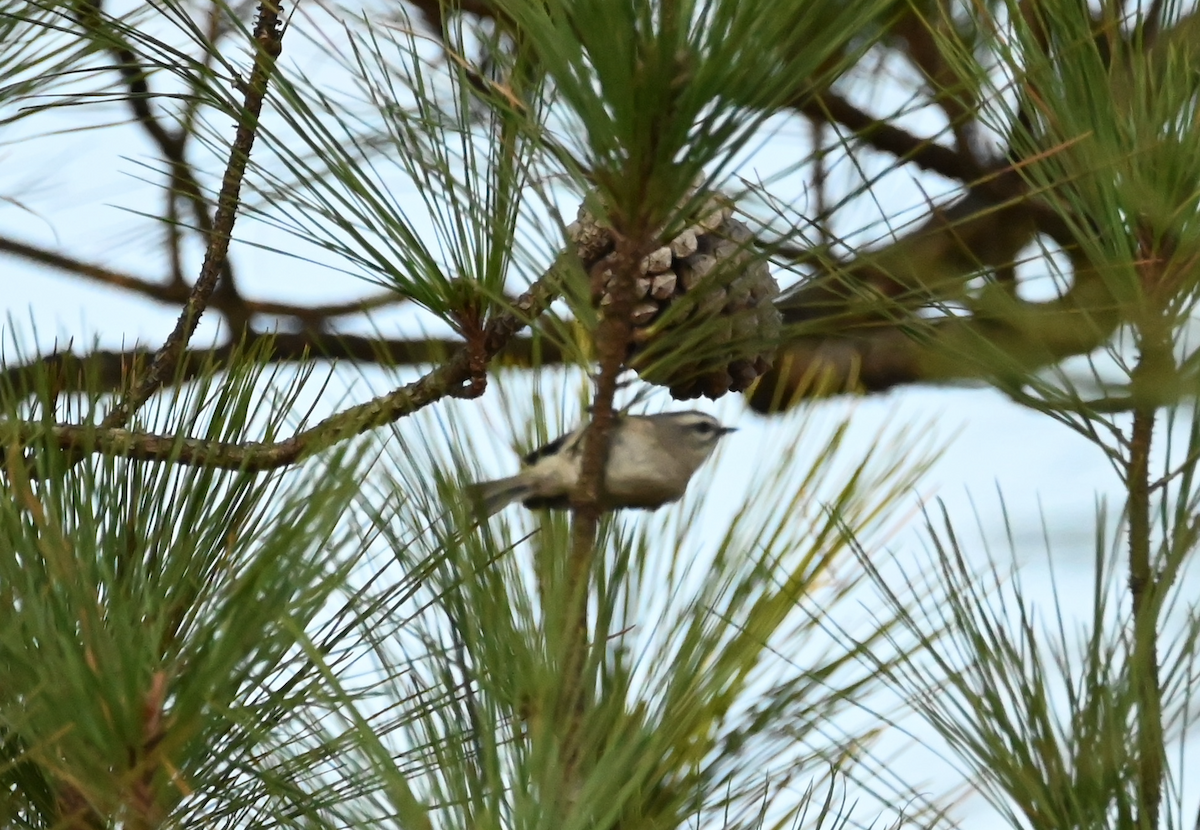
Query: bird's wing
{"points": [[565, 445]]}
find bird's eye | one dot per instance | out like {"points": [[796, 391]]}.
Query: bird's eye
{"points": [[704, 428]]}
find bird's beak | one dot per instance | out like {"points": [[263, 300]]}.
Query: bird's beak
{"points": [[727, 430]]}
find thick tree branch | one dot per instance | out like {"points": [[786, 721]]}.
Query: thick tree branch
{"points": [[1003, 340], [851, 334]]}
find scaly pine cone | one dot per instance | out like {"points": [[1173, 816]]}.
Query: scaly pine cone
{"points": [[703, 294]]}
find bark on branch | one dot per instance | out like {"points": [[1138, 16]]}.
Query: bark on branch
{"points": [[175, 293], [855, 329], [448, 379], [847, 336], [268, 42]]}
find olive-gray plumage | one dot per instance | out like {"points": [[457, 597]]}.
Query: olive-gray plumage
{"points": [[651, 459]]}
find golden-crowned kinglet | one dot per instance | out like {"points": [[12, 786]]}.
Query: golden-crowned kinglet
{"points": [[651, 459]]}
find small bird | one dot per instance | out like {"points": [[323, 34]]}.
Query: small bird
{"points": [[651, 459]]}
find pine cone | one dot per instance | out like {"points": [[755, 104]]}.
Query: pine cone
{"points": [[703, 294]]}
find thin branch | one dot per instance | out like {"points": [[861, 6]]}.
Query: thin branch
{"points": [[924, 152], [447, 379], [267, 39], [173, 147], [159, 292], [170, 144], [319, 313], [1143, 589], [175, 292], [613, 335], [105, 369]]}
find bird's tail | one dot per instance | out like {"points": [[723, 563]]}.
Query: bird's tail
{"points": [[493, 496]]}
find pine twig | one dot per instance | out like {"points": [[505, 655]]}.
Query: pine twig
{"points": [[1145, 587], [1144, 660], [268, 40], [446, 380], [173, 292]]}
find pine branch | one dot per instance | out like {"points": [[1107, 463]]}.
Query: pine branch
{"points": [[1003, 341], [452, 379], [175, 292], [267, 38], [855, 345], [881, 135]]}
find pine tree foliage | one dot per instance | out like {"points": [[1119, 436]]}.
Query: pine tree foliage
{"points": [[232, 596]]}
